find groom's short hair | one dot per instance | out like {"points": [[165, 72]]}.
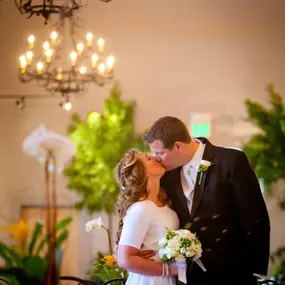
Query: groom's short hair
{"points": [[168, 130]]}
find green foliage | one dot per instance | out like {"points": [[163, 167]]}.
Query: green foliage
{"points": [[101, 141], [266, 150], [278, 259], [31, 261], [106, 268]]}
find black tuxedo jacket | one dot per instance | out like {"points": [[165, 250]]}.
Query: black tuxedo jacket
{"points": [[228, 214]]}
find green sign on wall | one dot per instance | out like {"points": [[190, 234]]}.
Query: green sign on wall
{"points": [[200, 130]]}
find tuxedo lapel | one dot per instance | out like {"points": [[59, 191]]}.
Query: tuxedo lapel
{"points": [[199, 189]]}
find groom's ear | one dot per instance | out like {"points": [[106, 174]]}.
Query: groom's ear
{"points": [[177, 146]]}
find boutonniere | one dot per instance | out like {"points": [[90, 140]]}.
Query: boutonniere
{"points": [[203, 167]]}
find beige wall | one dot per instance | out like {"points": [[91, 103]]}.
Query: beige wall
{"points": [[173, 57]]}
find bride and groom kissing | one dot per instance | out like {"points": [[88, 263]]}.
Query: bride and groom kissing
{"points": [[190, 183]]}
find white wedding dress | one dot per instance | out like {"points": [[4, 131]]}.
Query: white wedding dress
{"points": [[144, 225]]}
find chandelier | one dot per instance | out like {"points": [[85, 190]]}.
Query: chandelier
{"points": [[86, 62], [44, 8]]}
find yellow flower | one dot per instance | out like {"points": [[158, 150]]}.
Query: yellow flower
{"points": [[109, 260], [19, 231]]}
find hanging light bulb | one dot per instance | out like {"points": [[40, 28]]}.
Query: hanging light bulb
{"points": [[100, 44], [31, 41], [89, 39], [110, 63], [66, 104], [80, 48]]}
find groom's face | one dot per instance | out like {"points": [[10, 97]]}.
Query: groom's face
{"points": [[168, 158]]}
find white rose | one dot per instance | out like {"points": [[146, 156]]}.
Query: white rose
{"points": [[170, 253], [93, 224], [183, 250], [185, 234], [188, 254], [205, 163], [198, 250], [174, 243], [162, 242], [180, 258]]}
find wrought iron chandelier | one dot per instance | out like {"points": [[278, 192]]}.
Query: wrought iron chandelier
{"points": [[86, 64], [46, 8]]}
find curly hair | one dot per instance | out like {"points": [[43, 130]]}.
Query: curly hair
{"points": [[132, 178]]}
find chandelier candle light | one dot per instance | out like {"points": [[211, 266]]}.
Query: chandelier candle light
{"points": [[87, 64]]}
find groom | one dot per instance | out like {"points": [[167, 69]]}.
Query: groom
{"points": [[222, 204]]}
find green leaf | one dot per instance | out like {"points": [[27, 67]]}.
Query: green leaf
{"points": [[60, 226], [36, 234], [61, 238], [10, 256], [36, 267]]}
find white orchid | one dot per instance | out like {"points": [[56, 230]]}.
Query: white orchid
{"points": [[41, 141], [94, 224]]}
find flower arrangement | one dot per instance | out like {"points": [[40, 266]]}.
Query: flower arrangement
{"points": [[29, 249], [106, 267], [180, 246]]}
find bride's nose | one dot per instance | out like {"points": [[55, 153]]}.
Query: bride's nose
{"points": [[158, 159]]}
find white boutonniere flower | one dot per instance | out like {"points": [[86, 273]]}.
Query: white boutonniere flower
{"points": [[203, 167]]}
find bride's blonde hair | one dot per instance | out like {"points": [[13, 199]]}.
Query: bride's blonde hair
{"points": [[132, 178], [133, 181]]}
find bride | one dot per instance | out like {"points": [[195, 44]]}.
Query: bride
{"points": [[144, 214]]}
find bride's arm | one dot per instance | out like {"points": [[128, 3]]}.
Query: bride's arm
{"points": [[129, 259]]}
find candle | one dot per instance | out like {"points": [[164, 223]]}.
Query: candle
{"points": [[29, 56], [40, 67], [23, 63], [100, 44], [46, 45], [101, 69], [94, 60], [73, 57], [48, 55], [82, 70], [31, 41], [89, 39], [53, 36], [80, 48], [110, 63]]}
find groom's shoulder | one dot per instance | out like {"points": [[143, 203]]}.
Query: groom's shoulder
{"points": [[229, 154]]}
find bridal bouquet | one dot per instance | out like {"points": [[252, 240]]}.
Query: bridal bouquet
{"points": [[180, 246]]}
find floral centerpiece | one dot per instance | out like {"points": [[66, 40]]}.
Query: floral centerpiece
{"points": [[106, 267]]}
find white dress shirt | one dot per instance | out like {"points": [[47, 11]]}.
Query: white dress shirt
{"points": [[189, 173]]}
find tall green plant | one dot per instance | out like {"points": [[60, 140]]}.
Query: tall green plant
{"points": [[30, 259], [266, 151], [101, 140]]}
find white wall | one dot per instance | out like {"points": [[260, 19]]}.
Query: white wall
{"points": [[173, 57]]}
